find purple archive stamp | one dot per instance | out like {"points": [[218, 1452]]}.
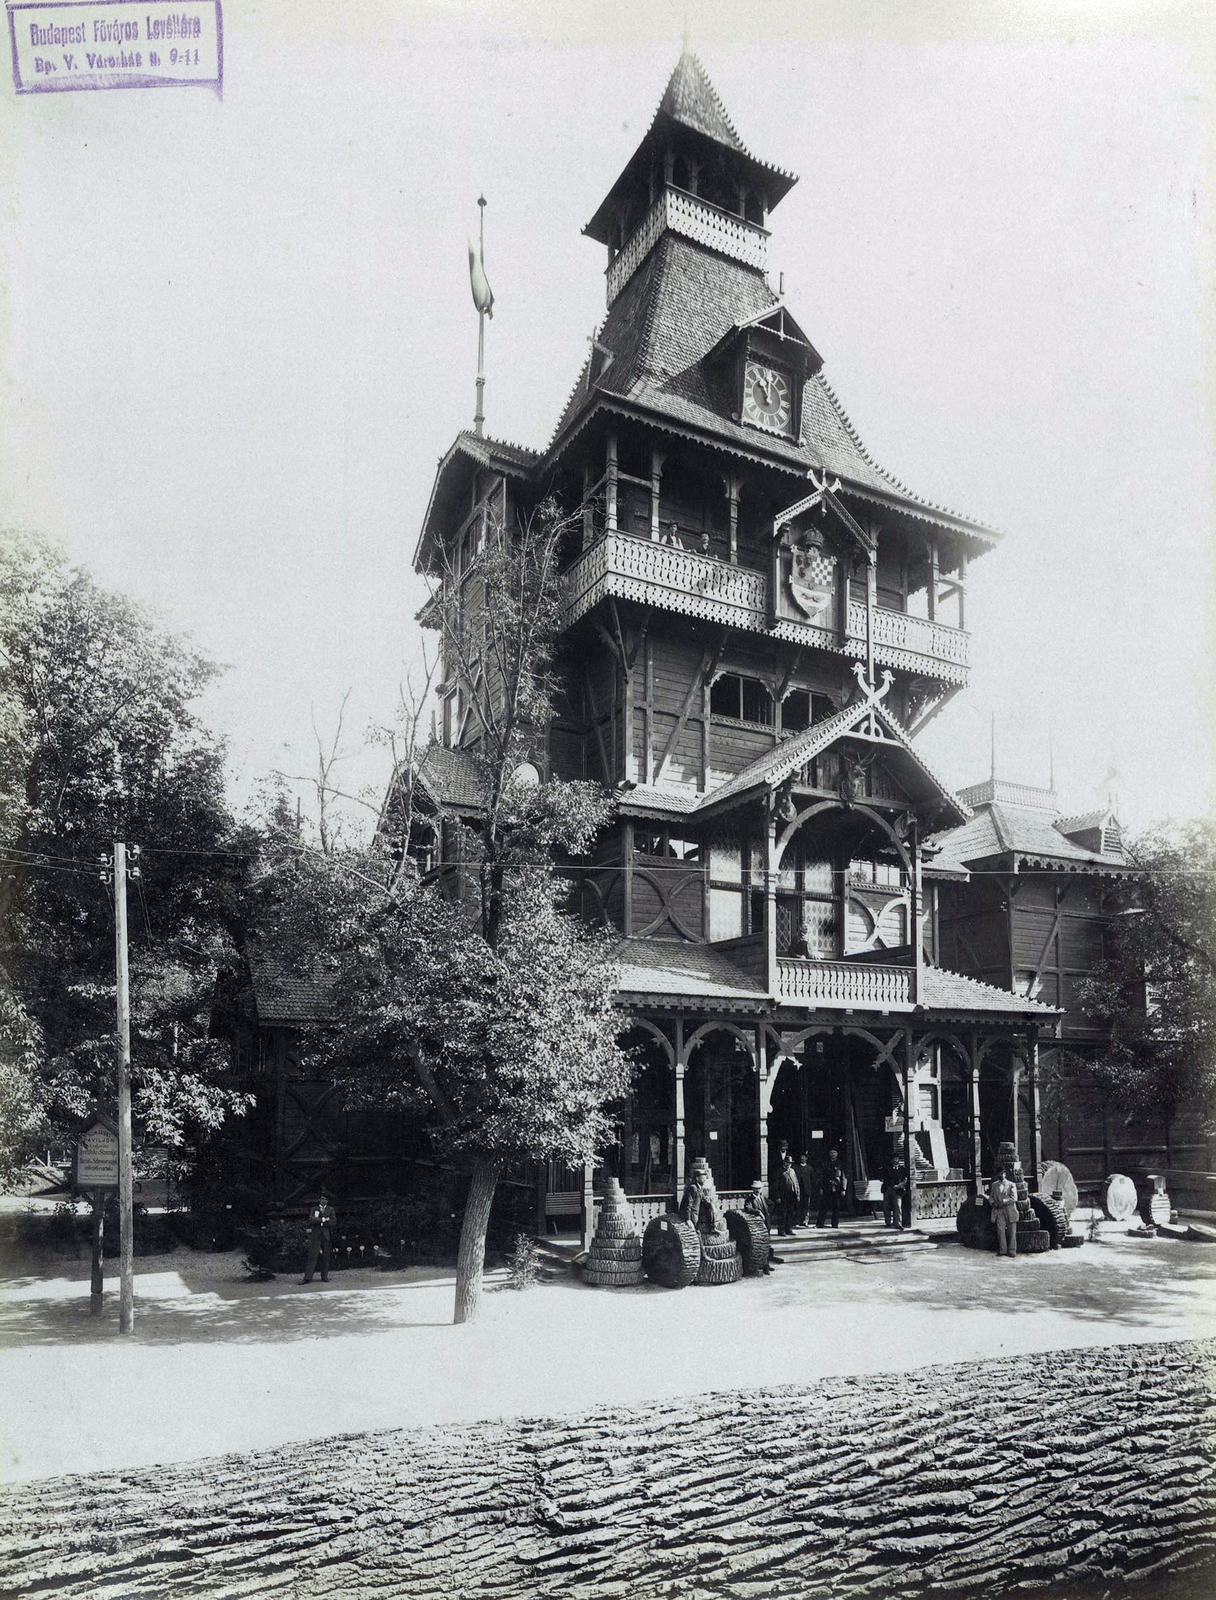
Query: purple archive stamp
{"points": [[115, 44]]}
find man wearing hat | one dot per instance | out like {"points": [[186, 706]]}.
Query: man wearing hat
{"points": [[833, 1186], [321, 1220]]}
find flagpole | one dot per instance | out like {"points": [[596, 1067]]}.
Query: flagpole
{"points": [[479, 413]]}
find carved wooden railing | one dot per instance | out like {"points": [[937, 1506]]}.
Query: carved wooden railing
{"points": [[904, 641], [698, 219], [645, 1207], [844, 983], [634, 567]]}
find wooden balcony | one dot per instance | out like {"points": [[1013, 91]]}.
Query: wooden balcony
{"points": [[632, 567], [847, 985], [677, 211]]}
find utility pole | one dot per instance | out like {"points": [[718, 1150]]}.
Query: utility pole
{"points": [[126, 1286]]}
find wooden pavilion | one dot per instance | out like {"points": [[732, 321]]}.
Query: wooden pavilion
{"points": [[758, 620]]}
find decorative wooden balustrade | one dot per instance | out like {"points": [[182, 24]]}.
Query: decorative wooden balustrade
{"points": [[849, 984], [904, 641], [645, 1207], [633, 567], [698, 219]]}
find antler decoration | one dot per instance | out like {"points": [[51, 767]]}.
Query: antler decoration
{"points": [[873, 695]]}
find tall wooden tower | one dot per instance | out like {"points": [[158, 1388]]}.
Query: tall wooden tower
{"points": [[758, 620]]}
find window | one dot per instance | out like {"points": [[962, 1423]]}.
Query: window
{"points": [[743, 699], [801, 708], [670, 846]]}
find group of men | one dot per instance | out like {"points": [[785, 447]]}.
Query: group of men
{"points": [[797, 1186]]}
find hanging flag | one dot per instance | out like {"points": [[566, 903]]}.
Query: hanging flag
{"points": [[483, 295]]}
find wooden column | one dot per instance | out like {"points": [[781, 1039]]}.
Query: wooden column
{"points": [[588, 1213], [657, 459], [610, 483], [647, 709], [627, 878], [1015, 1073], [1036, 1124], [909, 1076], [677, 1155], [733, 485], [871, 602], [762, 1107], [770, 901], [975, 1128], [588, 510], [917, 907], [933, 580]]}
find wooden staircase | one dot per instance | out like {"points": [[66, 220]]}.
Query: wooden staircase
{"points": [[856, 1236]]}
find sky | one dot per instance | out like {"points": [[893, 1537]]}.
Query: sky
{"points": [[238, 333]]}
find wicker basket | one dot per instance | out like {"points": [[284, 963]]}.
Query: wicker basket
{"points": [[671, 1252]]}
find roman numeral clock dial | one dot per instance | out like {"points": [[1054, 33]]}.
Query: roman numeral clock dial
{"points": [[767, 402]]}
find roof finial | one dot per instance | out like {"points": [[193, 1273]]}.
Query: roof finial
{"points": [[483, 299]]}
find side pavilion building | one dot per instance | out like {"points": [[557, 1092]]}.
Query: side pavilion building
{"points": [[758, 620]]}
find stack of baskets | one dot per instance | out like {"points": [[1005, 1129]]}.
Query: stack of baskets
{"points": [[752, 1240], [720, 1261], [615, 1258], [671, 1251]]}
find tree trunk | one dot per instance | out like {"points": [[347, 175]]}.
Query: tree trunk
{"points": [[471, 1257]]}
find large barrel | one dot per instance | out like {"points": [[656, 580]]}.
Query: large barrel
{"points": [[751, 1236], [1033, 1240], [671, 1252], [605, 1274], [718, 1269], [1049, 1214], [975, 1225]]}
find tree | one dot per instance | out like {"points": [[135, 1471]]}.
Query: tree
{"points": [[1156, 988], [490, 1012], [99, 740]]}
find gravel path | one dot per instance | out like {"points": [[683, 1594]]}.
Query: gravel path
{"points": [[1075, 1472]]}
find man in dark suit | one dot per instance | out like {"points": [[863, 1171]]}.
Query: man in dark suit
{"points": [[321, 1221], [832, 1188]]}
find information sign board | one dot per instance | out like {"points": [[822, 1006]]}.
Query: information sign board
{"points": [[97, 1158]]}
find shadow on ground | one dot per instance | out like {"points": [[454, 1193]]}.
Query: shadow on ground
{"points": [[234, 1312], [1133, 1284]]}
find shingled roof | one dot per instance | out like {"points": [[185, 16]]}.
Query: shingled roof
{"points": [[689, 102], [670, 967], [662, 327], [1027, 835], [450, 778], [284, 996], [776, 765]]}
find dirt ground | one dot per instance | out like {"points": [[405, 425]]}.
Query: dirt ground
{"points": [[218, 1364]]}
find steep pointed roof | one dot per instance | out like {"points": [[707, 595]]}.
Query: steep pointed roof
{"points": [[691, 99], [662, 330], [776, 765], [691, 105]]}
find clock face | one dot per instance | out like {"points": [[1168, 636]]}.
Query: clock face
{"points": [[767, 402]]}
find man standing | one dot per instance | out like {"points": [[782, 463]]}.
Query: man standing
{"points": [[321, 1220], [806, 1182], [832, 1188], [1003, 1198], [894, 1187], [788, 1193]]}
